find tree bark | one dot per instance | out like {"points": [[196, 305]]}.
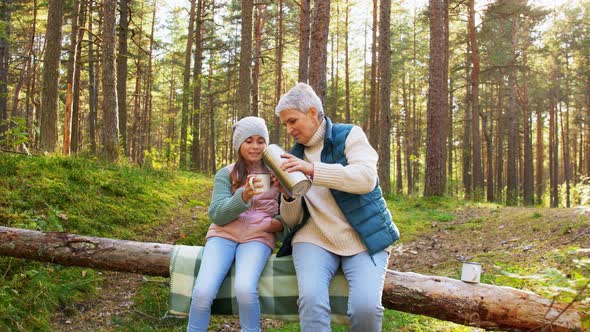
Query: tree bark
{"points": [[261, 15], [304, 34], [476, 139], [527, 183], [70, 78], [196, 163], [348, 118], [435, 177], [245, 59], [186, 87], [276, 133], [76, 133], [385, 95], [4, 60], [319, 49], [122, 71], [480, 305], [373, 104], [540, 183], [109, 81], [512, 119], [49, 90]]}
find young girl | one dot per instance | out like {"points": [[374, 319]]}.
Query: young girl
{"points": [[242, 229]]}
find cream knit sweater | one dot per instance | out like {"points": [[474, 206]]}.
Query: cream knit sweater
{"points": [[327, 227]]}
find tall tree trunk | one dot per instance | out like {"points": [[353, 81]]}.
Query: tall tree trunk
{"points": [[408, 134], [304, 36], [566, 133], [319, 49], [348, 118], [399, 186], [109, 80], [385, 95], [365, 117], [261, 12], [92, 84], [512, 176], [540, 182], [30, 108], [373, 103], [136, 146], [527, 185], [466, 142], [197, 70], [435, 178], [4, 60], [149, 84], [186, 81], [279, 69], [478, 186], [76, 133], [122, 71], [49, 90], [553, 137], [500, 141], [450, 136], [67, 129], [212, 128], [245, 58], [487, 131]]}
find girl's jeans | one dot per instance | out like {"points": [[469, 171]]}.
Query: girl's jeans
{"points": [[218, 257], [315, 268]]}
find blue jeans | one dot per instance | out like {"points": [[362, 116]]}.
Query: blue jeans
{"points": [[315, 268], [218, 256]]}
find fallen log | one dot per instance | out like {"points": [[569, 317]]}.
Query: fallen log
{"points": [[481, 305]]}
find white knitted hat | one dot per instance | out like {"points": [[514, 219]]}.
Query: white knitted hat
{"points": [[247, 127]]}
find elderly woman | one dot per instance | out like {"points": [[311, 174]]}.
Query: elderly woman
{"points": [[343, 219]]}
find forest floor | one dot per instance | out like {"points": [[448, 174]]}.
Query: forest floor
{"points": [[546, 251], [498, 237]]}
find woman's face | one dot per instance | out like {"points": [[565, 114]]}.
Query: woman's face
{"points": [[300, 125], [251, 149]]}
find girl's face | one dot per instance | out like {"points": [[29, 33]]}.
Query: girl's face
{"points": [[251, 149], [301, 126]]}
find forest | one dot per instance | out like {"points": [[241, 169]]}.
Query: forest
{"points": [[115, 114], [487, 101]]}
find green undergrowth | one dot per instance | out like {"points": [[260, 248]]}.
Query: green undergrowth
{"points": [[86, 197], [80, 196], [413, 215]]}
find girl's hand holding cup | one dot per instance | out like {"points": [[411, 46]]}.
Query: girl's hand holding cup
{"points": [[256, 183]]}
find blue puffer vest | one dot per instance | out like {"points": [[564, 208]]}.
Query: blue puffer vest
{"points": [[367, 214]]}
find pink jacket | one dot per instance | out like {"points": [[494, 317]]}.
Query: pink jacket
{"points": [[246, 226]]}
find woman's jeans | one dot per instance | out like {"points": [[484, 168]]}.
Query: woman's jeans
{"points": [[218, 257], [315, 268]]}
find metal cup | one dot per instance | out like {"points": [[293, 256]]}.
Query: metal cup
{"points": [[471, 272], [296, 183]]}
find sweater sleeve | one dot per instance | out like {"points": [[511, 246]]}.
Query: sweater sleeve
{"points": [[359, 176], [225, 206]]}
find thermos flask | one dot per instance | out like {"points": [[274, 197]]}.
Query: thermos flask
{"points": [[296, 183]]}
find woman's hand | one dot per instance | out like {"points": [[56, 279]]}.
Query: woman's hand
{"points": [[292, 164]]}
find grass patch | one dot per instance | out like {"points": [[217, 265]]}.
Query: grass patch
{"points": [[81, 196], [412, 215]]}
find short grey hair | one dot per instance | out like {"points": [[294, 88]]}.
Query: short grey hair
{"points": [[301, 97]]}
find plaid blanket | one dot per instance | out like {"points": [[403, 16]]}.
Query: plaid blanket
{"points": [[277, 288]]}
